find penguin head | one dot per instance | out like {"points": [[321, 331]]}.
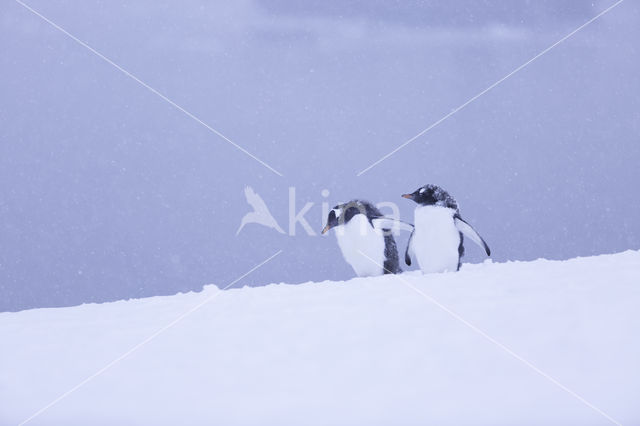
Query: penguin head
{"points": [[343, 213], [432, 195]]}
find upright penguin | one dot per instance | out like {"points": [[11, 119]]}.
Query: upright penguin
{"points": [[437, 241], [364, 237]]}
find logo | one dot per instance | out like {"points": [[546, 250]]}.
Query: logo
{"points": [[261, 215]]}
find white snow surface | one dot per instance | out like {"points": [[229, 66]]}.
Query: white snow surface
{"points": [[368, 351]]}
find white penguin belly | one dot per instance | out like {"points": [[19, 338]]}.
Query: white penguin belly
{"points": [[362, 246], [436, 239]]}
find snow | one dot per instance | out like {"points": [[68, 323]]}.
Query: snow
{"points": [[366, 351]]}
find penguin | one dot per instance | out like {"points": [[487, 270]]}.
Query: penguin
{"points": [[364, 237], [437, 241]]}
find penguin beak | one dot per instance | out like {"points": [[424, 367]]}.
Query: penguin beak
{"points": [[409, 196], [326, 228]]}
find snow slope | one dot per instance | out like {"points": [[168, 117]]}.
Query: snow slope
{"points": [[365, 351]]}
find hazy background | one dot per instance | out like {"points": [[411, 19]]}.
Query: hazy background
{"points": [[108, 192]]}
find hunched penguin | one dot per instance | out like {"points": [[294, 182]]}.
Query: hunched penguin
{"points": [[437, 242], [364, 237]]}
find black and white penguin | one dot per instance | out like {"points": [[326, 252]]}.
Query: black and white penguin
{"points": [[437, 241], [364, 237]]}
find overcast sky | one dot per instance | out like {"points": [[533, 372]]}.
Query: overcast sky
{"points": [[110, 192]]}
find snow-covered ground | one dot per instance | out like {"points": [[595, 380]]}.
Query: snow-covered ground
{"points": [[360, 352]]}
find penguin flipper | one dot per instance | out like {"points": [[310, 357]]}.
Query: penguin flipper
{"points": [[407, 257], [384, 222], [468, 230]]}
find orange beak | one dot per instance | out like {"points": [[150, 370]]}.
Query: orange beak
{"points": [[409, 196], [326, 228]]}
